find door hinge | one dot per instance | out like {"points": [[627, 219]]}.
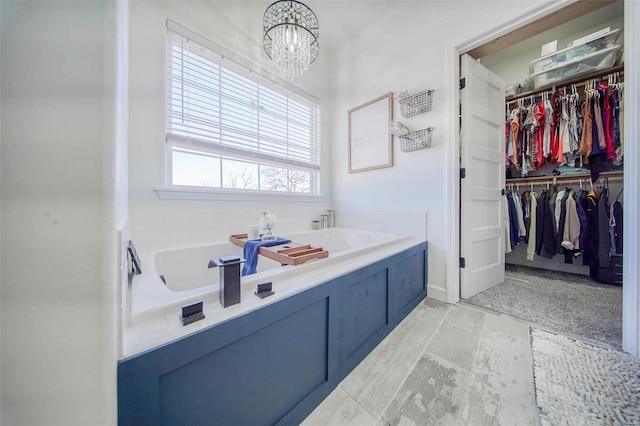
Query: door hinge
{"points": [[463, 173], [463, 83], [462, 262]]}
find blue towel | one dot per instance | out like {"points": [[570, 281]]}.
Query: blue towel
{"points": [[251, 249]]}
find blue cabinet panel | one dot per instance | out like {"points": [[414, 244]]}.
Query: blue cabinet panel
{"points": [[366, 310], [256, 380], [408, 281]]}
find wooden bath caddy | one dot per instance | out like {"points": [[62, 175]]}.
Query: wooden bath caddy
{"points": [[288, 253]]}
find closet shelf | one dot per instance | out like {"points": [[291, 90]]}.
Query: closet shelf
{"points": [[614, 176], [414, 141], [416, 104]]}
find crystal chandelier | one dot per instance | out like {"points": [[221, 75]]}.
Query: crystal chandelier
{"points": [[291, 36]]}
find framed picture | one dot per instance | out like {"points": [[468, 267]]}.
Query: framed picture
{"points": [[369, 138]]}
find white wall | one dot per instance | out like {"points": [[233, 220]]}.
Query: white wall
{"points": [[406, 49], [58, 325], [237, 27]]}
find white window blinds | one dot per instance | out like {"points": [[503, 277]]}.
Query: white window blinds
{"points": [[218, 106]]}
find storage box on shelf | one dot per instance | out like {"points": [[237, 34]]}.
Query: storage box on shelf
{"points": [[574, 52], [579, 59], [596, 61]]}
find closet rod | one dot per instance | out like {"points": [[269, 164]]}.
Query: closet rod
{"points": [[566, 179], [579, 82]]}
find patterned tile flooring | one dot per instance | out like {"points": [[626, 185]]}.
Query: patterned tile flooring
{"points": [[443, 365]]}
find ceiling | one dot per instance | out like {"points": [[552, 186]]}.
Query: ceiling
{"points": [[341, 20], [567, 29]]}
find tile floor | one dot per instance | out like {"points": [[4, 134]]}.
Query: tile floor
{"points": [[443, 365]]}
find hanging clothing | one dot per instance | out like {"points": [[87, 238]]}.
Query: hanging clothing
{"points": [[556, 143], [522, 231], [617, 216], [572, 226], [546, 144], [591, 245], [586, 140], [507, 226], [540, 119], [531, 244], [526, 214], [513, 221], [561, 214], [515, 127], [603, 229], [581, 202], [597, 114], [545, 232]]}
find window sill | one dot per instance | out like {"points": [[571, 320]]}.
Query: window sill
{"points": [[230, 195]]}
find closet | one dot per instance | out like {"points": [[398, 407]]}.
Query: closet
{"points": [[555, 150]]}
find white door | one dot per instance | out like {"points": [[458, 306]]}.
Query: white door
{"points": [[482, 230]]}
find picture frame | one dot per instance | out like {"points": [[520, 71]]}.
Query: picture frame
{"points": [[370, 143]]}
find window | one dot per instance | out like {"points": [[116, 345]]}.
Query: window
{"points": [[232, 128]]}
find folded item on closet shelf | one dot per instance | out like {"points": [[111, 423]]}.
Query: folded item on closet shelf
{"points": [[568, 170]]}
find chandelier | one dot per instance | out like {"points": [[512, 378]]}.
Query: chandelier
{"points": [[291, 36]]}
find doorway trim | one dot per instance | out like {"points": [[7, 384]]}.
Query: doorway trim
{"points": [[631, 293]]}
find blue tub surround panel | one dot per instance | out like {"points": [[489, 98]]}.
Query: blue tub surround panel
{"points": [[273, 365]]}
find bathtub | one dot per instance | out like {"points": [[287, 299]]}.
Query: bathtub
{"points": [[151, 311]]}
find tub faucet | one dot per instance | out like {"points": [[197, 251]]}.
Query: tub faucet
{"points": [[331, 219]]}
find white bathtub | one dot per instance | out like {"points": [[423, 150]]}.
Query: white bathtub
{"points": [[152, 308]]}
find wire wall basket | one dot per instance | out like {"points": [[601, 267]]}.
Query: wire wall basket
{"points": [[414, 141], [416, 104]]}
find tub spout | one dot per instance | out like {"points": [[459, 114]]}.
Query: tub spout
{"points": [[229, 293]]}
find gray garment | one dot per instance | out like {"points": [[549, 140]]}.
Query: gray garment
{"points": [[603, 229]]}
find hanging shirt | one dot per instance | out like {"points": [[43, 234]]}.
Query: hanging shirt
{"points": [[591, 242], [597, 114], [541, 123], [603, 229], [612, 231], [561, 205], [581, 202], [585, 140], [617, 214], [565, 137], [515, 126], [507, 226], [571, 235], [546, 145], [531, 244], [513, 219], [522, 231]]}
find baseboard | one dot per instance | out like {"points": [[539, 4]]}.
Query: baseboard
{"points": [[438, 293]]}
